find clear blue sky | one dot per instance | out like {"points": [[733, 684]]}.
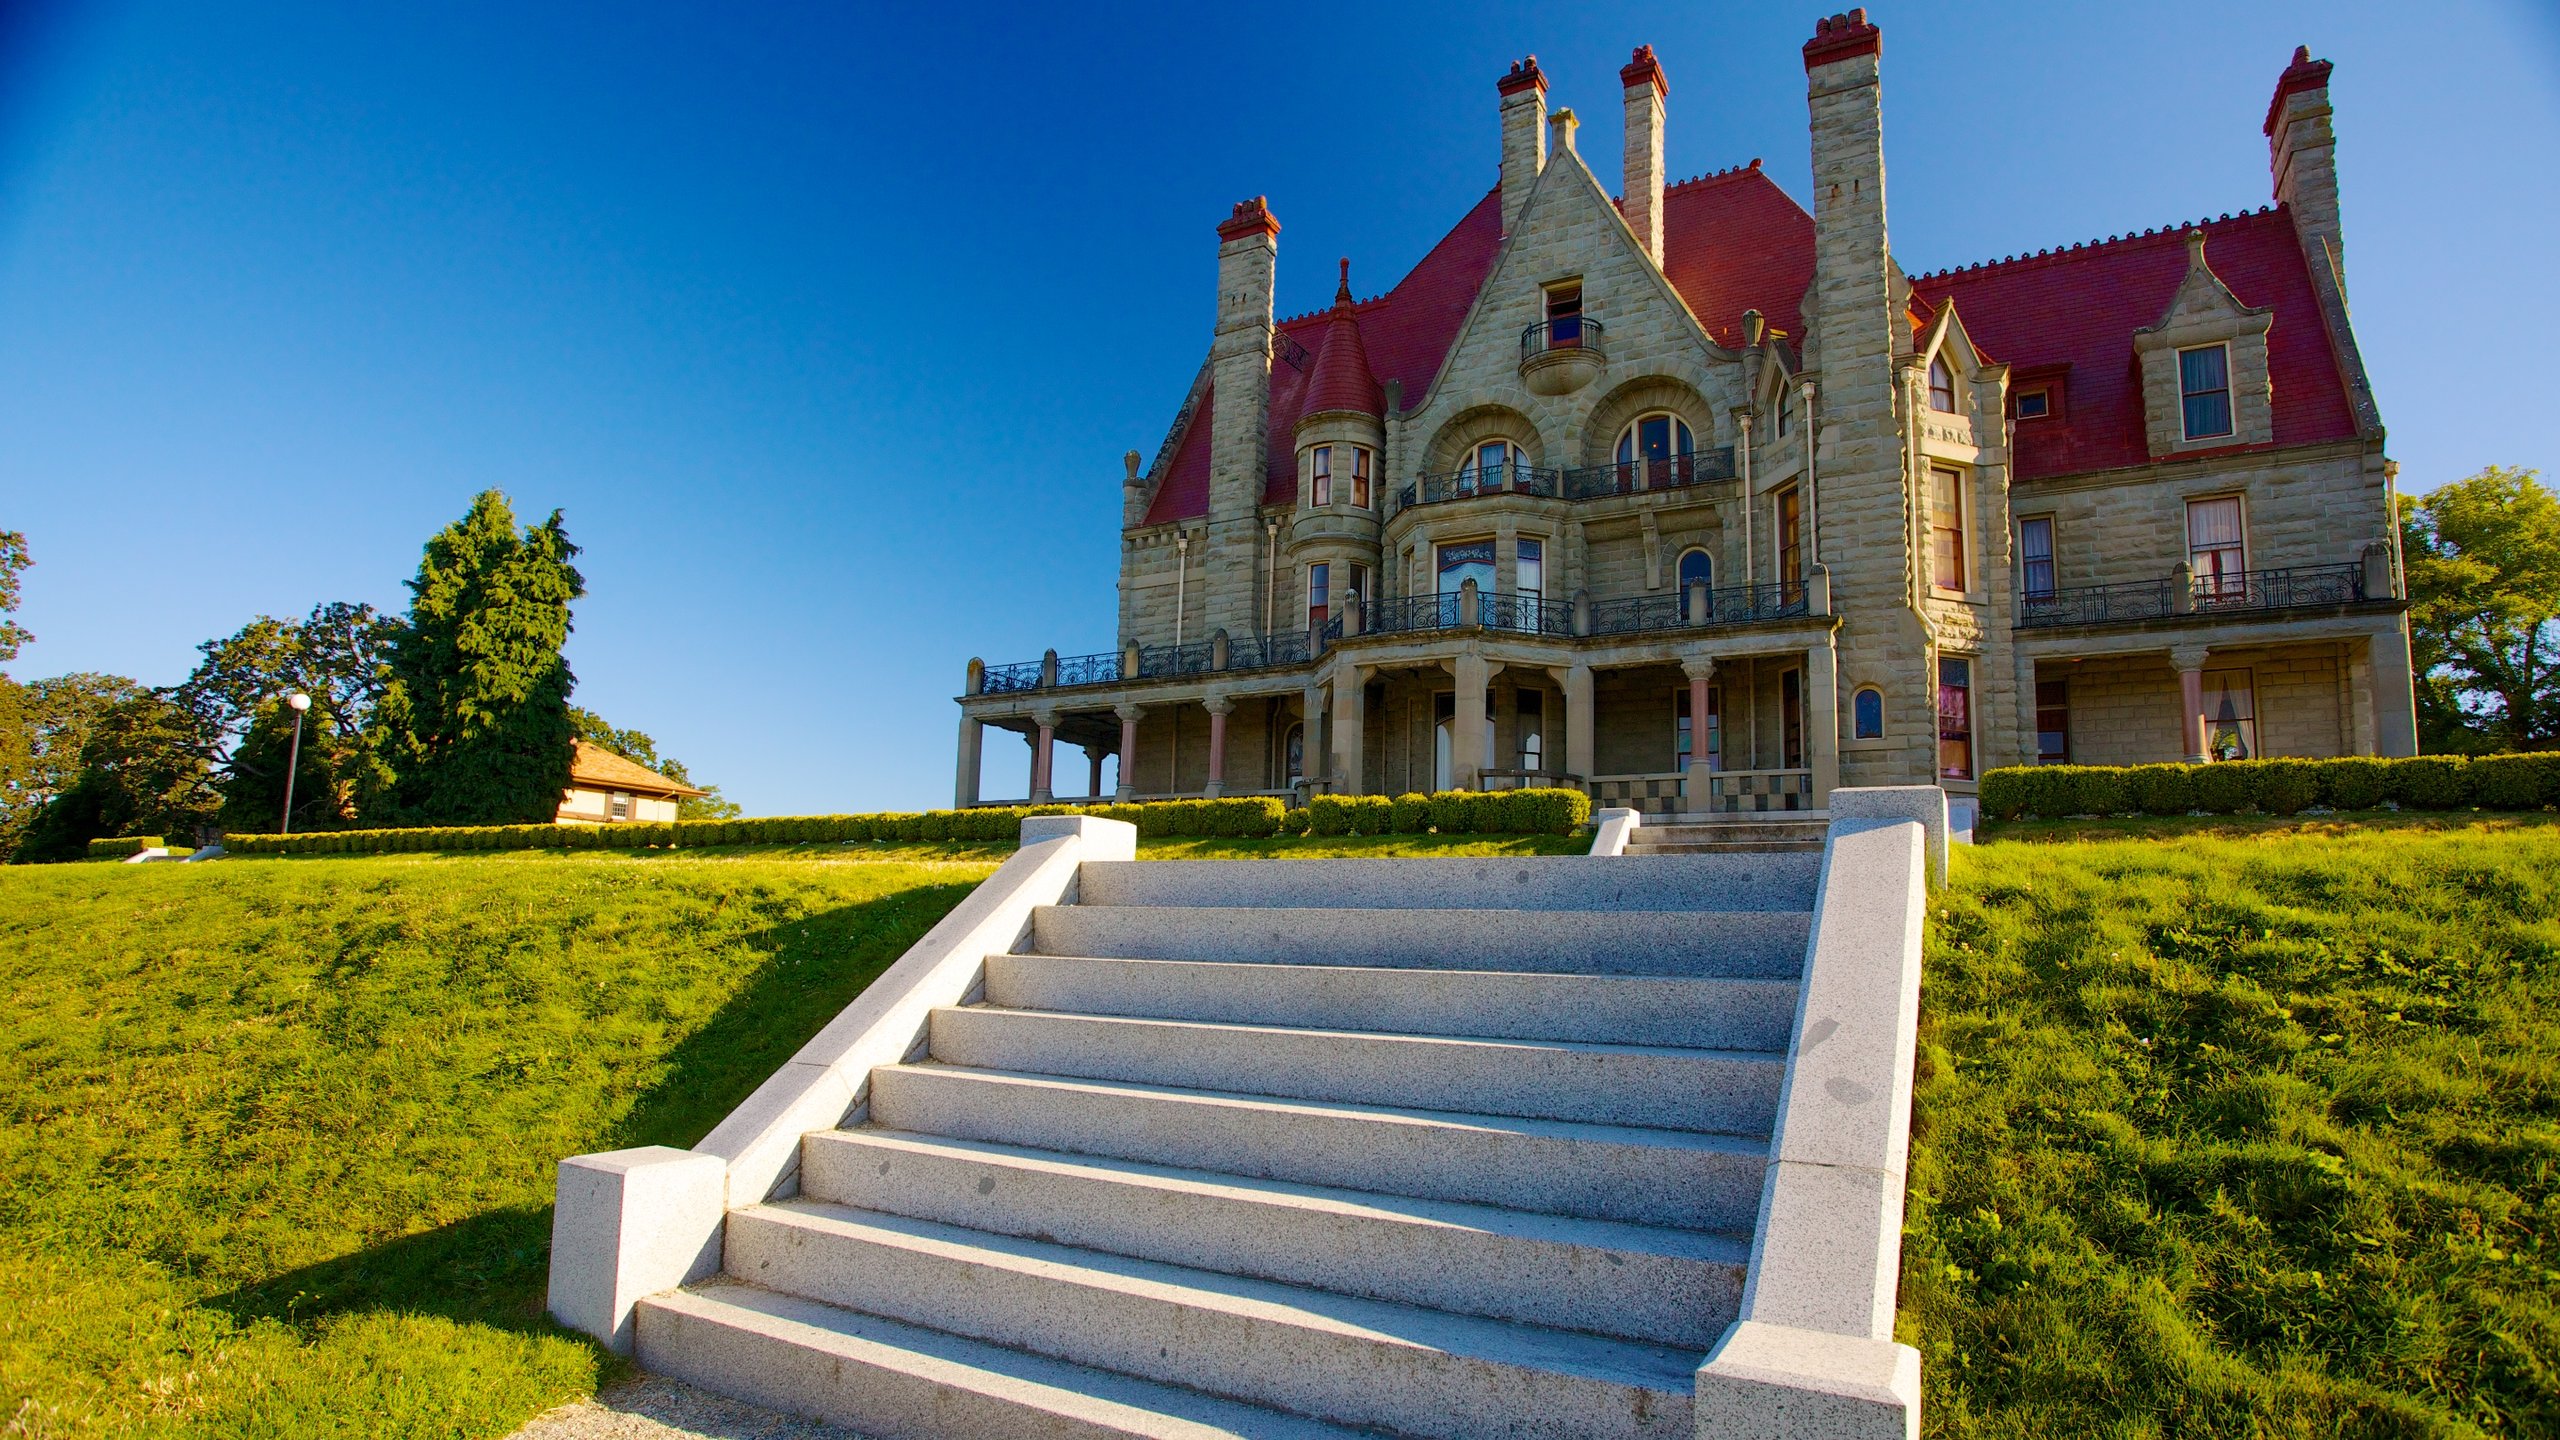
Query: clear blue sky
{"points": [[827, 324]]}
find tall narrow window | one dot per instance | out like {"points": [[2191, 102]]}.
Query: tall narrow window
{"points": [[1786, 408], [1532, 722], [1955, 718], [1360, 477], [2204, 390], [1564, 315], [1942, 386], [1866, 714], [1323, 483], [1791, 719], [2217, 554], [1946, 528], [1355, 587], [2230, 715], [1293, 754], [2035, 557], [1531, 572], [2053, 722], [1790, 538], [1319, 594]]}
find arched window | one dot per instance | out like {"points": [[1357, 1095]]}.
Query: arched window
{"points": [[1866, 711], [1657, 450], [1489, 464], [1697, 567], [1942, 386], [1786, 407]]}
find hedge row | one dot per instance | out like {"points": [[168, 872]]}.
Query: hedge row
{"points": [[1451, 812], [124, 846], [2274, 787], [1518, 812]]}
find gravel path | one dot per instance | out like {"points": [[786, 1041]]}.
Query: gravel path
{"points": [[651, 1408]]}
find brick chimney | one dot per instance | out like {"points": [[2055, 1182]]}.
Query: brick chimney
{"points": [[1524, 135], [1240, 415], [2302, 156], [1646, 91]]}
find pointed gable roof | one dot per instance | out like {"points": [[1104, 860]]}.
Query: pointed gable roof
{"points": [[2073, 313], [1733, 241], [1342, 379]]}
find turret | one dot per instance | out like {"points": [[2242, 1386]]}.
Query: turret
{"points": [[1341, 485]]}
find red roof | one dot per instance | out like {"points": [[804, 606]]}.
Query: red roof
{"points": [[2073, 313], [1342, 378], [1733, 241]]}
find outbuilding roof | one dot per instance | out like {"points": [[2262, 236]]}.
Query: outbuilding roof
{"points": [[593, 767]]}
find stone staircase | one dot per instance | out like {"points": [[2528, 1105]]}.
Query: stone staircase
{"points": [[1293, 1148], [1772, 833]]}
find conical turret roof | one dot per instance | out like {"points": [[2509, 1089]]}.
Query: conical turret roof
{"points": [[1342, 379]]}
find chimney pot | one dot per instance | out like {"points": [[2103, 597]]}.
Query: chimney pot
{"points": [[1643, 175]]}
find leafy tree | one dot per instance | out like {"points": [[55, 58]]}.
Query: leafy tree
{"points": [[2483, 561], [44, 727], [13, 561], [339, 657], [636, 747], [140, 773], [474, 722], [253, 788]]}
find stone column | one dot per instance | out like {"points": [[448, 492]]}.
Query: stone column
{"points": [[1822, 720], [1467, 727], [1129, 715], [1311, 715], [1349, 696], [2395, 712], [973, 739], [1219, 707], [1041, 744], [2188, 661], [1581, 743], [1093, 758], [1699, 792]]}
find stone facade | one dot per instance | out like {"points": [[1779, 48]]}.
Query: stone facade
{"points": [[1614, 492]]}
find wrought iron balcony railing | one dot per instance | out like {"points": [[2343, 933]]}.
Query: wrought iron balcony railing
{"points": [[1507, 476], [2281, 589], [1524, 614], [1157, 662], [1007, 679], [1564, 332], [1733, 605], [1103, 669], [1591, 482], [1269, 652], [1408, 614]]}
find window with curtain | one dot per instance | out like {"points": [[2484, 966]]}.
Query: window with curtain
{"points": [[1564, 315], [1662, 445], [2204, 390], [1488, 464], [2035, 557], [2217, 554], [1322, 485], [1942, 386], [1955, 718], [1530, 572], [1866, 714], [1946, 528], [1360, 477], [1319, 594], [2230, 715]]}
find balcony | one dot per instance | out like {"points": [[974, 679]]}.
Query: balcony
{"points": [[1561, 354], [1733, 605], [2254, 591], [1507, 478], [1670, 472]]}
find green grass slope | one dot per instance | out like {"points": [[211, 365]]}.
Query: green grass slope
{"points": [[2242, 1135], [278, 1136]]}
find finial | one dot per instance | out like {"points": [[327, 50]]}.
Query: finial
{"points": [[1342, 292]]}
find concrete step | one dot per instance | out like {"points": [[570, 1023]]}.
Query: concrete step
{"points": [[899, 1382], [1754, 829], [1517, 882], [1675, 1088], [1645, 1176], [1764, 944], [1717, 1014], [1339, 1358], [1722, 847], [1672, 1287]]}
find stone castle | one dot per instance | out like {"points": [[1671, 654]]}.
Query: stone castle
{"points": [[1699, 502]]}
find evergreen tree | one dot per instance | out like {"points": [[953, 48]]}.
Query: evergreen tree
{"points": [[474, 723]]}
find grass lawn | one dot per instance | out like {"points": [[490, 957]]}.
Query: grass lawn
{"points": [[2252, 1133]]}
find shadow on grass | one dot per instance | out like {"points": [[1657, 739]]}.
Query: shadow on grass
{"points": [[491, 1268]]}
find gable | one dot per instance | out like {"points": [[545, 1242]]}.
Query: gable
{"points": [[1733, 241]]}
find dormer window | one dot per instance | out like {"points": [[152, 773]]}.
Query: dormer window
{"points": [[2204, 390], [1942, 386], [2035, 404], [1659, 448]]}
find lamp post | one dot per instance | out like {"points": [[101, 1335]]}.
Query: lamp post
{"points": [[300, 703]]}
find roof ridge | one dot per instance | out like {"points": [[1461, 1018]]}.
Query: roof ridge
{"points": [[1730, 171], [2090, 247]]}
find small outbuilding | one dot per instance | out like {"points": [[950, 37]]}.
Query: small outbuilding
{"points": [[605, 789]]}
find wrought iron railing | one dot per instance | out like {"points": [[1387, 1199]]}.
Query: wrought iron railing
{"points": [[1007, 679], [1511, 476], [1103, 669], [1157, 662], [2282, 589], [1706, 467], [1564, 332], [2098, 604], [1524, 614], [1269, 652], [1733, 605], [1409, 614]]}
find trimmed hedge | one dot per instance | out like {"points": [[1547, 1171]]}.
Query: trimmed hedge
{"points": [[2275, 787], [1508, 812], [124, 847]]}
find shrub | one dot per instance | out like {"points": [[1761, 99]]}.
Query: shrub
{"points": [[2162, 789], [124, 846], [1452, 812], [1329, 815], [2010, 793], [2098, 790], [1371, 814], [2287, 787], [1549, 811], [1409, 814], [2431, 782], [2223, 789], [2357, 782], [2515, 782]]}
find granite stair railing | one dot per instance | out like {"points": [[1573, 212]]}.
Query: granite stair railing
{"points": [[1451, 1148]]}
